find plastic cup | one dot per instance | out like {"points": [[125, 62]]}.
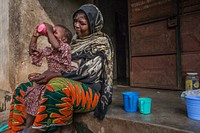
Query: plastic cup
{"points": [[42, 29], [130, 100], [144, 104]]}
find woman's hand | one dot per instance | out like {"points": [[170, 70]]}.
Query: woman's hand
{"points": [[45, 77], [32, 75]]}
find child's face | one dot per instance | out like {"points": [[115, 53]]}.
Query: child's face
{"points": [[59, 33]]}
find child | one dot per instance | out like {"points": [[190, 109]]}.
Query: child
{"points": [[58, 58]]}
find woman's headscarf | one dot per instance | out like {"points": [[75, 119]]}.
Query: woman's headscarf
{"points": [[95, 53]]}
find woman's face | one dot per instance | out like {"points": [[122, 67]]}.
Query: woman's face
{"points": [[81, 25]]}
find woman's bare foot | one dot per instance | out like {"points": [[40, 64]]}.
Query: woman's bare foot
{"points": [[31, 130], [68, 129], [57, 130]]}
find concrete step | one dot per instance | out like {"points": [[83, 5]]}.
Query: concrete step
{"points": [[168, 115]]}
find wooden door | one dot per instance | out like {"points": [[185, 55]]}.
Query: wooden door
{"points": [[164, 42], [190, 36]]}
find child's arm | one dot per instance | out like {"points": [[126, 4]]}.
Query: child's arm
{"points": [[35, 53], [51, 38], [33, 42]]}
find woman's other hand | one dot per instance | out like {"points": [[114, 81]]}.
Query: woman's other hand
{"points": [[32, 75], [45, 77]]}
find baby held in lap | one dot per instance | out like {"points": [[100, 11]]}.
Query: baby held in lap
{"points": [[58, 57]]}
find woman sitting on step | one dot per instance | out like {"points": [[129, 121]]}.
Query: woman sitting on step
{"points": [[88, 87]]}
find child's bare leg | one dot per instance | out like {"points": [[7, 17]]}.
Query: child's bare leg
{"points": [[29, 121], [31, 130]]}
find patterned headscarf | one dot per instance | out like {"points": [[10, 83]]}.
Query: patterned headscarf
{"points": [[96, 57]]}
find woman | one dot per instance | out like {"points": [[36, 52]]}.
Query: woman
{"points": [[86, 88]]}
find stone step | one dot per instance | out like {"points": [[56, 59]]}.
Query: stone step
{"points": [[169, 115]]}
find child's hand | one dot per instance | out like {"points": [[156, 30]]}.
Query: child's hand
{"points": [[36, 33], [33, 75], [49, 27]]}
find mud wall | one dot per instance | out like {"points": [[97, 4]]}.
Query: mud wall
{"points": [[4, 47]]}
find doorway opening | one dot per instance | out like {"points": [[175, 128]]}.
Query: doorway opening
{"points": [[122, 48], [115, 15]]}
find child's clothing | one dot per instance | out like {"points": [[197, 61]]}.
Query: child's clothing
{"points": [[57, 60]]}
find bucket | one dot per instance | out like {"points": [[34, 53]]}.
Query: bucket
{"points": [[193, 107]]}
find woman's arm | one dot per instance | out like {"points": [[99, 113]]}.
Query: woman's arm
{"points": [[88, 72], [46, 77]]}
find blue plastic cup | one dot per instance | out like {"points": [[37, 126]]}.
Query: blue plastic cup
{"points": [[130, 100], [193, 107]]}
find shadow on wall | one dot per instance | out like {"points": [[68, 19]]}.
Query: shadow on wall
{"points": [[61, 11], [5, 99]]}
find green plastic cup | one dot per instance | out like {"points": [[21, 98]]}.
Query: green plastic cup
{"points": [[144, 104]]}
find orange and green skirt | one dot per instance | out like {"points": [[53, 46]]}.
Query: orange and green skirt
{"points": [[62, 98]]}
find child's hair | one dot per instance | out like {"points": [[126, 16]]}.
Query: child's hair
{"points": [[67, 33]]}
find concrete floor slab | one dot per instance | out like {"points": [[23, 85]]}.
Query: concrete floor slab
{"points": [[169, 115]]}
